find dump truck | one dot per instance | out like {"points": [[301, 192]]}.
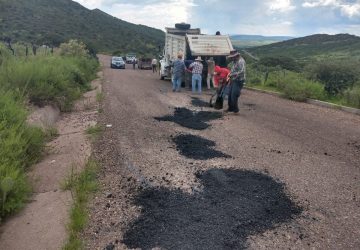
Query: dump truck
{"points": [[191, 43]]}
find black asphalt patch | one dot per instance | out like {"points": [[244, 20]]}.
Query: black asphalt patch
{"points": [[199, 103], [233, 205], [196, 147], [191, 119]]}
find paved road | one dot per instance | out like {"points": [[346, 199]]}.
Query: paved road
{"points": [[279, 175]]}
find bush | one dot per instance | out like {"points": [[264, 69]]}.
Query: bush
{"points": [[300, 90], [53, 79], [20, 147], [41, 80], [352, 97], [287, 63], [336, 76], [295, 86], [73, 48]]}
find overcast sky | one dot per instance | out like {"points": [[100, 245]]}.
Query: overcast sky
{"points": [[256, 17]]}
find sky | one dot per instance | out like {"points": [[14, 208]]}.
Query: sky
{"points": [[253, 17]]}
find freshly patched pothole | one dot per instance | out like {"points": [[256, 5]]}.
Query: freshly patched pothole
{"points": [[232, 205], [196, 147], [197, 120], [197, 102]]}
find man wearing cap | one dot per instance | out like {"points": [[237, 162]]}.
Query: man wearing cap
{"points": [[237, 78], [196, 70]]}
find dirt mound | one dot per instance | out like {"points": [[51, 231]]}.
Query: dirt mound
{"points": [[233, 205], [196, 147], [199, 103], [191, 119]]}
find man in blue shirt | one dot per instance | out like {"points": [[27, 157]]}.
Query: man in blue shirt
{"points": [[178, 72]]}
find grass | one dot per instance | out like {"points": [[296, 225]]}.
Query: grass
{"points": [[82, 187], [297, 87], [53, 79], [94, 131], [40, 80], [21, 146], [100, 96]]}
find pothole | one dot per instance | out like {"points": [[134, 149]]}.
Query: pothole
{"points": [[197, 120], [197, 102], [196, 147], [232, 205]]}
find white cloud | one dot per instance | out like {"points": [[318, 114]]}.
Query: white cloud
{"points": [[157, 14], [350, 10], [347, 9], [91, 4], [281, 6]]}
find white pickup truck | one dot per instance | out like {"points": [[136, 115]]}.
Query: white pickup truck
{"points": [[191, 43]]}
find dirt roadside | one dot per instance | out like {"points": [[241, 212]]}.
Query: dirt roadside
{"points": [[42, 223], [284, 175]]}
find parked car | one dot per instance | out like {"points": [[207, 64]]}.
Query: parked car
{"points": [[144, 63], [117, 63]]}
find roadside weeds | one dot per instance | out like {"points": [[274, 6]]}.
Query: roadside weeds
{"points": [[82, 186]]}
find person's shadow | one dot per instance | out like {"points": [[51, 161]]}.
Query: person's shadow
{"points": [[232, 205]]}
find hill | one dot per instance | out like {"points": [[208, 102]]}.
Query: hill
{"points": [[52, 22], [248, 41], [319, 46]]}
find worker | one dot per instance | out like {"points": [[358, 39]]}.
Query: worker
{"points": [[133, 62], [178, 68], [196, 69], [210, 75], [154, 65], [237, 78]]}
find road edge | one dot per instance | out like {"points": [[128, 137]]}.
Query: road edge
{"points": [[319, 103]]}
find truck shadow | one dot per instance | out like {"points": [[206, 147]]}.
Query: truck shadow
{"points": [[232, 205], [191, 119]]}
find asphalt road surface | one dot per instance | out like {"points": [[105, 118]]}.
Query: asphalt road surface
{"points": [[179, 175]]}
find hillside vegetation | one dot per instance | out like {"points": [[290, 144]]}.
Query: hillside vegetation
{"points": [[324, 67], [314, 47], [53, 22], [249, 41]]}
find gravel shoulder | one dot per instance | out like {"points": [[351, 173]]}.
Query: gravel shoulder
{"points": [[300, 157]]}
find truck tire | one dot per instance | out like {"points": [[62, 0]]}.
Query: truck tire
{"points": [[182, 26]]}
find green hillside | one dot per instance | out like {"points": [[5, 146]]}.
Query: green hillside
{"points": [[319, 47], [249, 41], [52, 22]]}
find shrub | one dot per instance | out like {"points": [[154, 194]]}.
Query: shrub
{"points": [[300, 90], [20, 146], [53, 79], [352, 97], [336, 76], [73, 48], [287, 63], [295, 86]]}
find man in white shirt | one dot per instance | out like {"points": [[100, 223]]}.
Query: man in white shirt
{"points": [[154, 65]]}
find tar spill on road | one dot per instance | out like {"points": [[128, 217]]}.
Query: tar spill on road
{"points": [[199, 103], [232, 205], [191, 119], [196, 147]]}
